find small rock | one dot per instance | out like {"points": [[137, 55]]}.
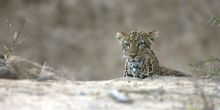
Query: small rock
{"points": [[47, 75], [2, 62], [119, 96], [7, 71], [2, 55]]}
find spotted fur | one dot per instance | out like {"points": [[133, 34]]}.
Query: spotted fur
{"points": [[140, 60]]}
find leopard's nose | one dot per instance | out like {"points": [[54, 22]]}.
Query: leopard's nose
{"points": [[133, 56]]}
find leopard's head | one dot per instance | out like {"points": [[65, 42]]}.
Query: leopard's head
{"points": [[136, 45]]}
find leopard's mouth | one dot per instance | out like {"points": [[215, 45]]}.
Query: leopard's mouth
{"points": [[135, 68]]}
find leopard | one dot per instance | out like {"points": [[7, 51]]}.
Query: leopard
{"points": [[140, 60]]}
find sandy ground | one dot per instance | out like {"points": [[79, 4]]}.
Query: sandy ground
{"points": [[156, 93]]}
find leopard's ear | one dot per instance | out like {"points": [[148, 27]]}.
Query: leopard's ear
{"points": [[120, 36], [153, 35]]}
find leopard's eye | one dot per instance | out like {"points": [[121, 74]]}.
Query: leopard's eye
{"points": [[126, 44]]}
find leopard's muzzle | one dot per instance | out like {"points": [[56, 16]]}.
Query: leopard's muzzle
{"points": [[136, 68]]}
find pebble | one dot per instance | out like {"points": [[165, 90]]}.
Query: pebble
{"points": [[119, 96], [7, 71]]}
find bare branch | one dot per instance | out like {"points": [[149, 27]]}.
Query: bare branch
{"points": [[16, 35], [9, 26]]}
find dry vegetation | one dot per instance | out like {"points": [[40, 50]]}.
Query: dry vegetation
{"points": [[206, 69]]}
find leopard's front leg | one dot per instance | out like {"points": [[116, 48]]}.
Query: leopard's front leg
{"points": [[126, 69]]}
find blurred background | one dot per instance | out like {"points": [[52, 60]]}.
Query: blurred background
{"points": [[78, 36]]}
